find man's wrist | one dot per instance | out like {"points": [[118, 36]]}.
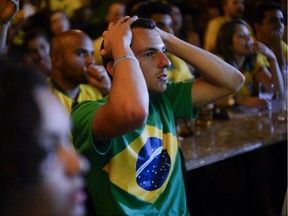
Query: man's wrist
{"points": [[125, 57]]}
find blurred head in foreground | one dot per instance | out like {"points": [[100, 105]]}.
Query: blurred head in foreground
{"points": [[40, 173]]}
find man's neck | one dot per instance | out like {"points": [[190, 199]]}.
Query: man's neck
{"points": [[71, 91]]}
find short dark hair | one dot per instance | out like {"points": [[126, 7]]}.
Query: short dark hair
{"points": [[139, 23], [263, 8], [20, 151]]}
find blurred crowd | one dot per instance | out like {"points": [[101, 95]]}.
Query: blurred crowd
{"points": [[190, 19]]}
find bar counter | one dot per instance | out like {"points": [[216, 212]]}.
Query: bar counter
{"points": [[245, 131]]}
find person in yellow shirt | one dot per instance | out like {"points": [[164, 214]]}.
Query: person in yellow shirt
{"points": [[75, 76], [269, 29], [235, 45]]}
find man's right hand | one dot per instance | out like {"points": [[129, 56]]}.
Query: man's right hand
{"points": [[118, 34], [98, 77]]}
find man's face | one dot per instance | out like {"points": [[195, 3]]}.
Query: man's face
{"points": [[164, 22], [272, 25], [235, 8], [149, 49], [76, 54]]}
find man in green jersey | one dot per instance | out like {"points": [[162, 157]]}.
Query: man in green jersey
{"points": [[129, 137]]}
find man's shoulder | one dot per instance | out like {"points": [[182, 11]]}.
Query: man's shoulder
{"points": [[87, 106]]}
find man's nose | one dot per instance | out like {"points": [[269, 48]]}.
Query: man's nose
{"points": [[90, 59], [165, 61]]}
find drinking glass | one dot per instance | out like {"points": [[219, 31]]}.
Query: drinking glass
{"points": [[266, 92]]}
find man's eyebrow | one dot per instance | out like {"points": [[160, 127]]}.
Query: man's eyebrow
{"points": [[150, 49], [83, 50], [153, 49], [80, 49]]}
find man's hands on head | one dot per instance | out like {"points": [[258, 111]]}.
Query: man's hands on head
{"points": [[164, 35], [117, 37], [8, 9]]}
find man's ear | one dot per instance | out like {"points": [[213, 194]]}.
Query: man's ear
{"points": [[110, 68]]}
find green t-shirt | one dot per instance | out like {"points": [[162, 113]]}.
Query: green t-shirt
{"points": [[140, 172]]}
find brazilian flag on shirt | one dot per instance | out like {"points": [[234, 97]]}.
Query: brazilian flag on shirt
{"points": [[140, 172]]}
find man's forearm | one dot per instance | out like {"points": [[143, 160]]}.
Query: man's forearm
{"points": [[277, 79], [281, 59], [212, 68]]}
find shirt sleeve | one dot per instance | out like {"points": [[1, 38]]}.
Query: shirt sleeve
{"points": [[181, 100], [81, 125]]}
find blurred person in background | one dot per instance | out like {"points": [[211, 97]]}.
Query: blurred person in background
{"points": [[86, 18], [236, 46], [37, 48], [232, 9], [58, 22], [115, 11], [269, 29], [180, 30], [284, 10]]}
